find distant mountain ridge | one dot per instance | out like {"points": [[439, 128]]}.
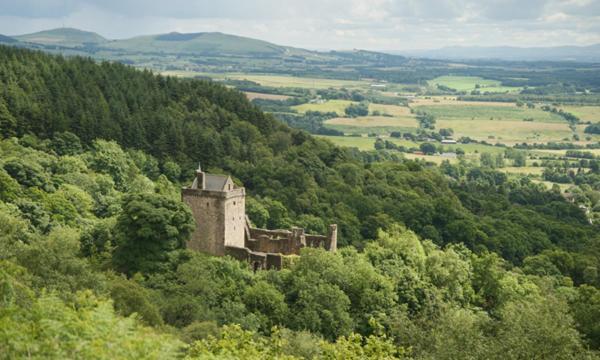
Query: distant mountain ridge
{"points": [[7, 39], [62, 37], [217, 44], [590, 53], [212, 43], [195, 44]]}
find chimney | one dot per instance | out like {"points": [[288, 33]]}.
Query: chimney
{"points": [[200, 178]]}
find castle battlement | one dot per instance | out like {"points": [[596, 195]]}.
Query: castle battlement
{"points": [[222, 227]]}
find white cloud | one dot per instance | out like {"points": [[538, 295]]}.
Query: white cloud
{"points": [[338, 24]]}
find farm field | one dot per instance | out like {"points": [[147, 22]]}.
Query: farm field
{"points": [[523, 170], [564, 152], [339, 107], [255, 95], [492, 122], [481, 111], [430, 158], [585, 113], [336, 106], [469, 83], [507, 132], [375, 121], [498, 123], [362, 143], [284, 81], [476, 148], [394, 110], [368, 143], [452, 100], [381, 125]]}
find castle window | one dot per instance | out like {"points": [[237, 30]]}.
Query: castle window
{"points": [[234, 203], [207, 204]]}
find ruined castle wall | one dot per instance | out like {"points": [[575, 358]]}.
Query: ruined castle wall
{"points": [[317, 241], [255, 233], [288, 242], [279, 245]]}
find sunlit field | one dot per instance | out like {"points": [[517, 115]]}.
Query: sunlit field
{"points": [[469, 83]]}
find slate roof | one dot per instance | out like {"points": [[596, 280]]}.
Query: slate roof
{"points": [[215, 182], [212, 182]]}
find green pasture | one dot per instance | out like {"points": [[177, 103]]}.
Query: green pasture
{"points": [[373, 124], [430, 158], [507, 132], [336, 106], [277, 80], [523, 170], [459, 111], [502, 124], [368, 143], [469, 83], [362, 143], [563, 152], [374, 121]]}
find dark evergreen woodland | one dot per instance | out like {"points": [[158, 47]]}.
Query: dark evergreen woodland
{"points": [[443, 262]]}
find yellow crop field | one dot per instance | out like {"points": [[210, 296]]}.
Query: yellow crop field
{"points": [[585, 113]]}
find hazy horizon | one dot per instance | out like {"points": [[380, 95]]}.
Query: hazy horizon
{"points": [[391, 25]]}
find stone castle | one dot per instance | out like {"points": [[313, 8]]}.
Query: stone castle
{"points": [[222, 227]]}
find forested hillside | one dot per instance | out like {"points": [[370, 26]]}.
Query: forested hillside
{"points": [[436, 262]]}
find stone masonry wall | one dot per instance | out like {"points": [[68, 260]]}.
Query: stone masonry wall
{"points": [[235, 219], [210, 222]]}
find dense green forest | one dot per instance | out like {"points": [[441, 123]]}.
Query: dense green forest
{"points": [[448, 262]]}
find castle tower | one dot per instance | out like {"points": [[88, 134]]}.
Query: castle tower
{"points": [[219, 208], [332, 237]]}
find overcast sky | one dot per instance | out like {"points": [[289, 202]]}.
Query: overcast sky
{"points": [[324, 24]]}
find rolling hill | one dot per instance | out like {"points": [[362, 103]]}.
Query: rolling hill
{"points": [[7, 39], [208, 43], [217, 44], [67, 37]]}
